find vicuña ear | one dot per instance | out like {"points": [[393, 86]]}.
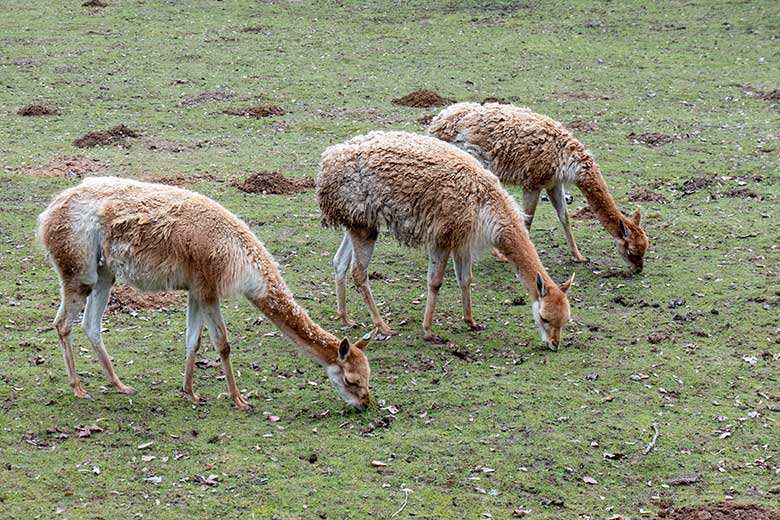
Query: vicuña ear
{"points": [[540, 285], [623, 231], [567, 284], [637, 216], [344, 350], [362, 342]]}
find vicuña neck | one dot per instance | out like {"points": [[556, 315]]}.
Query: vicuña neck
{"points": [[516, 245], [279, 305], [594, 188]]}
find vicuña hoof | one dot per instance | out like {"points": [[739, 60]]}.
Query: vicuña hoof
{"points": [[435, 339], [349, 323], [124, 389], [473, 325], [242, 404], [79, 392]]}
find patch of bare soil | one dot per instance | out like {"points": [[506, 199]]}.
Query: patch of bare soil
{"points": [[584, 213], [94, 3], [770, 96], [643, 195], [586, 95], [255, 28], [159, 144], [38, 110], [492, 99], [722, 511], [694, 185], [205, 97], [181, 180], [423, 99], [117, 134], [127, 299], [72, 167], [653, 139], [274, 183], [258, 111], [743, 193], [491, 7], [581, 125], [382, 423], [426, 120]]}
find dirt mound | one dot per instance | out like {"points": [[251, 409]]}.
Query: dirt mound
{"points": [[653, 139], [722, 511], [643, 195], [491, 99], [770, 96], [255, 28], [586, 95], [258, 111], [205, 97], [38, 110], [584, 213], [694, 185], [74, 167], [113, 135], [274, 183], [94, 3], [426, 120], [181, 180], [161, 144], [127, 299], [582, 126], [423, 99], [743, 193]]}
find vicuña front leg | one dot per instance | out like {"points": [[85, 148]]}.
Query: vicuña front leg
{"points": [[218, 334], [72, 302], [194, 330], [363, 248], [93, 314], [530, 200], [437, 265], [558, 200], [341, 263], [462, 263]]}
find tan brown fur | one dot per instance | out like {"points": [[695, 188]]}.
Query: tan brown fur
{"points": [[428, 194], [158, 237], [538, 153]]}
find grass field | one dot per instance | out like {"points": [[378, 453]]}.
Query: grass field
{"points": [[488, 424]]}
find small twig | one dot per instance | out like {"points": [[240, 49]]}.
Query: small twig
{"points": [[652, 442], [406, 499]]}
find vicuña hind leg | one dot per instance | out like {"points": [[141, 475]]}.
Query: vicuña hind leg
{"points": [[558, 200], [462, 264], [74, 295], [363, 248], [218, 333], [437, 265], [341, 263], [93, 315], [194, 329]]}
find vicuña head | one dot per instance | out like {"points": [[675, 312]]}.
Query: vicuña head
{"points": [[632, 243], [351, 373], [551, 310]]}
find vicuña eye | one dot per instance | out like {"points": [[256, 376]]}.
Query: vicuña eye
{"points": [[544, 320], [349, 383]]}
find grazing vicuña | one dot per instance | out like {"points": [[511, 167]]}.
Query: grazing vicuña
{"points": [[157, 237], [532, 150], [433, 195]]}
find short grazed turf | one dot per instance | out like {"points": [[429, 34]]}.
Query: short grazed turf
{"points": [[488, 424]]}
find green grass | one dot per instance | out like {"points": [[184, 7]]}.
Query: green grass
{"points": [[495, 399]]}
